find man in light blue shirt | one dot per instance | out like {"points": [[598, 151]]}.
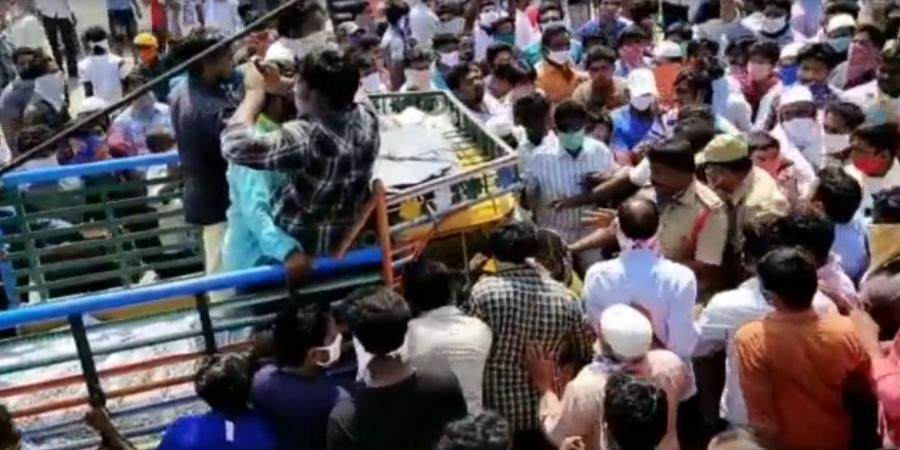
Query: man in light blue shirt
{"points": [[632, 122], [839, 196]]}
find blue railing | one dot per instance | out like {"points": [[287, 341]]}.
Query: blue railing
{"points": [[50, 174]]}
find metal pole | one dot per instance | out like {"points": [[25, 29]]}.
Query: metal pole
{"points": [[91, 379], [134, 95], [206, 325]]}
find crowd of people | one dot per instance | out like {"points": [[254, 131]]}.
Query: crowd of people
{"points": [[706, 254]]}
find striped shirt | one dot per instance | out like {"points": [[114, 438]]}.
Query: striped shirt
{"points": [[553, 174]]}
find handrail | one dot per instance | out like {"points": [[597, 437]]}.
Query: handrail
{"points": [[149, 294], [50, 174]]}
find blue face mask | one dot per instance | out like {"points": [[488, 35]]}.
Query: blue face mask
{"points": [[572, 142], [788, 74], [840, 44], [507, 38]]}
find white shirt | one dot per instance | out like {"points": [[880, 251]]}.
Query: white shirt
{"points": [[222, 15], [27, 31], [394, 44], [871, 185], [525, 33], [723, 316], [105, 73], [5, 153], [556, 175], [666, 289], [806, 174], [423, 23], [463, 341], [54, 8]]}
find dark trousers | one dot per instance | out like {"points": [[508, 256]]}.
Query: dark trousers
{"points": [[56, 26]]}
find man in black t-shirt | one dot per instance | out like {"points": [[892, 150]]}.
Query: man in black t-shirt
{"points": [[401, 407]]}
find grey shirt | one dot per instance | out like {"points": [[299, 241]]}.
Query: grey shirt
{"points": [[13, 101]]}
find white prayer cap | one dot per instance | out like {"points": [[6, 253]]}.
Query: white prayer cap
{"points": [[499, 126], [626, 331], [667, 49], [279, 53], [796, 94], [91, 105], [791, 50], [642, 82], [840, 21]]}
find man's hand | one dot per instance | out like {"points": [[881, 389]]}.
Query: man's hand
{"points": [[572, 443], [261, 76], [598, 218], [98, 419], [540, 368], [297, 265]]}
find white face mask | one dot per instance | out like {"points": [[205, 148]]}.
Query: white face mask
{"points": [[333, 350], [643, 102], [552, 23], [835, 143], [452, 26], [802, 132], [773, 25], [560, 57], [371, 83], [487, 18], [420, 79], [52, 88], [450, 59]]}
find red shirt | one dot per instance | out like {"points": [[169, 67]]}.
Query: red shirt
{"points": [[158, 20]]}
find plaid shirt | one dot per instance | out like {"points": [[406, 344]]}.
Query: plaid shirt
{"points": [[523, 305], [329, 164]]}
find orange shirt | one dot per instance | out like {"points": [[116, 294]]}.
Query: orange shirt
{"points": [[558, 83], [792, 368]]}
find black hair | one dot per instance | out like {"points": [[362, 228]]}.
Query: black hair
{"points": [[442, 39], [297, 330], [600, 53], [886, 206], [134, 79], [549, 6], [819, 51], [697, 111], [767, 50], [839, 193], [428, 285], [681, 29], [554, 255], [458, 74], [876, 34], [790, 274], [834, 7], [781, 4], [550, 33], [761, 235], [8, 433], [761, 140], [368, 42], [631, 33], [198, 40], [741, 165], [696, 45], [496, 49], [484, 431], [417, 54], [642, 9], [378, 318], [810, 230], [891, 55], [851, 113], [675, 153], [95, 34], [25, 51], [532, 105], [636, 412], [697, 81], [569, 108], [514, 74], [638, 218], [697, 132], [33, 135], [223, 382], [333, 75], [395, 11], [513, 243], [596, 118], [882, 136], [39, 67], [364, 62]]}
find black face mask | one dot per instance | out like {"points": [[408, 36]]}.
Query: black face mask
{"points": [[535, 136]]}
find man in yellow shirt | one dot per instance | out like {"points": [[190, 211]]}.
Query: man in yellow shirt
{"points": [[556, 74]]}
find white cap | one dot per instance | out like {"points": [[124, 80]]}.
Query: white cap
{"points": [[626, 331], [791, 50], [642, 82], [796, 94], [840, 21], [667, 49], [91, 105], [279, 53], [499, 126]]}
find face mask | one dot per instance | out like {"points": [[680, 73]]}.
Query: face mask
{"points": [[452, 26], [333, 351], [487, 18], [572, 142], [371, 83], [788, 74], [643, 102], [534, 136], [552, 23], [420, 79], [450, 59], [835, 143], [52, 88], [801, 131], [841, 44], [506, 38], [560, 57], [773, 25], [871, 165], [758, 72]]}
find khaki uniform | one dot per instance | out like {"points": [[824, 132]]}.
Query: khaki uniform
{"points": [[757, 196]]}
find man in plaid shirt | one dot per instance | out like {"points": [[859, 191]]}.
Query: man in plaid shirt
{"points": [[328, 155], [523, 305]]}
